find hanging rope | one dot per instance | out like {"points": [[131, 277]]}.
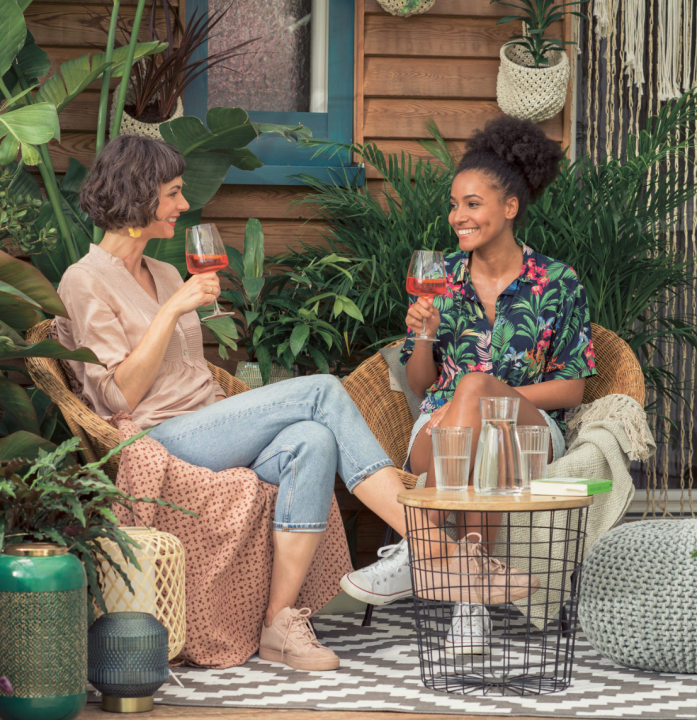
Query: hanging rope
{"points": [[647, 49], [634, 13]]}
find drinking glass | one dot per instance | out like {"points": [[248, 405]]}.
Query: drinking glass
{"points": [[451, 457], [498, 467], [205, 252], [534, 446], [426, 278]]}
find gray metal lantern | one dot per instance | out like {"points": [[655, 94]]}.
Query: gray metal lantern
{"points": [[127, 660]]}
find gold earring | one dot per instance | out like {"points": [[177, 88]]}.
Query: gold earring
{"points": [[134, 232]]}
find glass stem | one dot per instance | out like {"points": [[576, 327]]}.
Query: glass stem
{"points": [[423, 328]]}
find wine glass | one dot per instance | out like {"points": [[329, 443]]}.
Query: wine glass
{"points": [[426, 278], [205, 252]]}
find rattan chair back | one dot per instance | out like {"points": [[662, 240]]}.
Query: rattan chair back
{"points": [[96, 435], [387, 412]]}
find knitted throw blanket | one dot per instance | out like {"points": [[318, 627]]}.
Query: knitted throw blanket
{"points": [[602, 439]]}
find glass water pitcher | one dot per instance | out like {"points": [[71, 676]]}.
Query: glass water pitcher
{"points": [[498, 467]]}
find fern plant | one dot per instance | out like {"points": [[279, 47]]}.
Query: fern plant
{"points": [[52, 500]]}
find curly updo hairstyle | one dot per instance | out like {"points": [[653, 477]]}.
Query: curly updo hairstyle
{"points": [[123, 186], [516, 156]]}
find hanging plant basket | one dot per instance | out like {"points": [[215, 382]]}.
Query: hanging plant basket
{"points": [[131, 126], [531, 93], [394, 7]]}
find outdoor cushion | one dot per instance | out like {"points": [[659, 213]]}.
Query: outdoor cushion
{"points": [[398, 377]]}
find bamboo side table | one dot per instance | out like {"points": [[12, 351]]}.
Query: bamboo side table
{"points": [[529, 630]]}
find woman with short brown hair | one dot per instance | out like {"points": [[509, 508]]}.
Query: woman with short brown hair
{"points": [[140, 319]]}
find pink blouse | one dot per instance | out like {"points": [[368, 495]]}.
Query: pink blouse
{"points": [[109, 313]]}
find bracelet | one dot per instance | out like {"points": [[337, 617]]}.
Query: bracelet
{"points": [[424, 344]]}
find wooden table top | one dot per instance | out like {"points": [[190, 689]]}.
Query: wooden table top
{"points": [[468, 500]]}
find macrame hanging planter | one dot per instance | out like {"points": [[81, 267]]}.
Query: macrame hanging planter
{"points": [[131, 126], [394, 7], [531, 93]]}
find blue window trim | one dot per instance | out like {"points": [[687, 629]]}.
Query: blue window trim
{"points": [[282, 158]]}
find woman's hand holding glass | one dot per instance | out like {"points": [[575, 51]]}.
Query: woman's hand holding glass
{"points": [[197, 291], [423, 310]]}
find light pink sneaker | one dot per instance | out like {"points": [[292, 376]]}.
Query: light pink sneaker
{"points": [[291, 640], [473, 577]]}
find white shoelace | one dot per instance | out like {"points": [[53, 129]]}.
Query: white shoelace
{"points": [[392, 559]]}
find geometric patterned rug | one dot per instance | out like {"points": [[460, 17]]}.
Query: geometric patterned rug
{"points": [[380, 672]]}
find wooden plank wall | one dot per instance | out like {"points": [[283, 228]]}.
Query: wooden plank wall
{"points": [[441, 65]]}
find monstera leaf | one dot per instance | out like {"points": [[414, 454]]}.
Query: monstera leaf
{"points": [[77, 74], [210, 150]]}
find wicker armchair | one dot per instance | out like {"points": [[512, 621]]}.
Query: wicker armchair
{"points": [[388, 415], [97, 436]]}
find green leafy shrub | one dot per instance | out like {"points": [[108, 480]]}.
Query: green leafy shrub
{"points": [[288, 315]]}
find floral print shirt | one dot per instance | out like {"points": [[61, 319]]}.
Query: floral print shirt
{"points": [[541, 330]]}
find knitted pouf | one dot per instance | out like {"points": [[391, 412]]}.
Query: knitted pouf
{"points": [[638, 600]]}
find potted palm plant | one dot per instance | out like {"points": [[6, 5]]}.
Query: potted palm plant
{"points": [[534, 72]]}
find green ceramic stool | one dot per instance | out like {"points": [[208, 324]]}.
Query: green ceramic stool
{"points": [[43, 632]]}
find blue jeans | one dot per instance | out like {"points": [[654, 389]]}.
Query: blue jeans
{"points": [[296, 434]]}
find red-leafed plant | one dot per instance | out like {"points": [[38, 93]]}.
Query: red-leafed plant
{"points": [[159, 83]]}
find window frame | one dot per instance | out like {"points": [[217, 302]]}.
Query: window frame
{"points": [[282, 158]]}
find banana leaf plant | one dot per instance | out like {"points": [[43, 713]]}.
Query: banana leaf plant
{"points": [[34, 119], [25, 295]]}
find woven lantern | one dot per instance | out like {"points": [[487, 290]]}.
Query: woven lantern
{"points": [[159, 587]]}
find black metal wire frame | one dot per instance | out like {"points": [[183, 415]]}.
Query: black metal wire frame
{"points": [[520, 657]]}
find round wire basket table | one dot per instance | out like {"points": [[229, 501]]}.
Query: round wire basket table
{"points": [[495, 581]]}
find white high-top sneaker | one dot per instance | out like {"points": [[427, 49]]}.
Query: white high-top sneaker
{"points": [[384, 581], [469, 630]]}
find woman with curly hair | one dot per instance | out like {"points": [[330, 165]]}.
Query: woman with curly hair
{"points": [[513, 323]]}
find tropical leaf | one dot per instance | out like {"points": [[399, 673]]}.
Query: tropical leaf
{"points": [[253, 258], [17, 312], [13, 31], [79, 73], [298, 338], [29, 281], [24, 183], [29, 126], [23, 444], [46, 348], [15, 401]]}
